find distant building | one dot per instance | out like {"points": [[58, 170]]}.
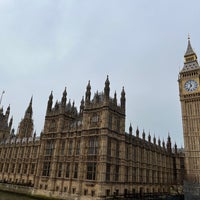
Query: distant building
{"points": [[189, 89], [87, 153]]}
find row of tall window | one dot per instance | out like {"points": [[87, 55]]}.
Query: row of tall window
{"points": [[136, 154], [19, 152], [92, 146], [92, 149], [19, 168], [69, 170], [133, 174], [146, 156]]}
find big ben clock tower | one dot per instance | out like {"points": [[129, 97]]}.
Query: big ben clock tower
{"points": [[189, 89]]}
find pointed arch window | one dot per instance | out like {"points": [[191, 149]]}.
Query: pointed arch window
{"points": [[93, 146]]}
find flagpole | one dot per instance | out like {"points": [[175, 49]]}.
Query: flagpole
{"points": [[1, 96]]}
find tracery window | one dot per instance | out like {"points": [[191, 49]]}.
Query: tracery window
{"points": [[118, 125], [19, 168], [35, 149], [25, 168], [62, 148], [59, 169], [110, 122], [13, 168], [49, 148], [117, 149], [91, 170], [78, 147], [32, 168], [52, 126], [93, 146], [107, 172], [6, 166], [117, 173], [46, 169], [134, 175], [16, 153], [70, 147], [67, 170], [109, 147], [126, 174], [76, 170]]}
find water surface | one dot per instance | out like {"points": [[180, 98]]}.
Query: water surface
{"points": [[13, 196]]}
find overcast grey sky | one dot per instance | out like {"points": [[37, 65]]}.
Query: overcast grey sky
{"points": [[49, 44]]}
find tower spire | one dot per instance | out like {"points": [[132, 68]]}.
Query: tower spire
{"points": [[29, 111], [190, 58], [25, 128], [50, 102], [189, 50]]}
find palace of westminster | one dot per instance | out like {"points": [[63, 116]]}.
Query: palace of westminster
{"points": [[85, 152]]}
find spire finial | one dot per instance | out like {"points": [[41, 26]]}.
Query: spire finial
{"points": [[188, 36]]}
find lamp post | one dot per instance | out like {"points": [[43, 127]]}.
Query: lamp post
{"points": [[1, 97]]}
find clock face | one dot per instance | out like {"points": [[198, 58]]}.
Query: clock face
{"points": [[191, 85]]}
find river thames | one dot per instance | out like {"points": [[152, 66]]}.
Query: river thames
{"points": [[13, 196]]}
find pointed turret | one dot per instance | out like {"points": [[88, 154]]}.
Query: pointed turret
{"points": [[169, 143], [159, 142], [115, 99], [163, 144], [8, 112], [82, 106], [10, 123], [25, 128], [56, 105], [50, 102], [123, 100], [190, 57], [1, 110], [130, 129], [88, 93], [154, 139], [107, 89], [175, 149], [137, 132], [64, 98], [143, 135], [29, 111], [149, 137]]}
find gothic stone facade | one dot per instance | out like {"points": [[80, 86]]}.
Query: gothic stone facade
{"points": [[87, 153]]}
